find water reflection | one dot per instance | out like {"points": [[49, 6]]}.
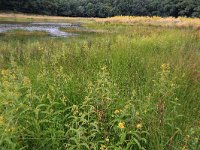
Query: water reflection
{"points": [[52, 28]]}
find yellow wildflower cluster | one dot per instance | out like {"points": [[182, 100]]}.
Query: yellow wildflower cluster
{"points": [[5, 72], [41, 48], [74, 109], [26, 81], [165, 67], [85, 46], [121, 125], [10, 129], [8, 75]]}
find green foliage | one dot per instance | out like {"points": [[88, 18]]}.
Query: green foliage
{"points": [[134, 88]]}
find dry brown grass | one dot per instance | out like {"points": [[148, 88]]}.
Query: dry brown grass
{"points": [[180, 22], [18, 15], [42, 17]]}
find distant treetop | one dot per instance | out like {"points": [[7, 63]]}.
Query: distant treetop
{"points": [[104, 8]]}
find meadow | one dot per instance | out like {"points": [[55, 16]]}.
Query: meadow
{"points": [[117, 85]]}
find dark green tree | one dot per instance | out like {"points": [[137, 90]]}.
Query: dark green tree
{"points": [[104, 8]]}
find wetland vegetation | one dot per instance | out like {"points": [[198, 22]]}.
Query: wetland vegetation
{"points": [[119, 84]]}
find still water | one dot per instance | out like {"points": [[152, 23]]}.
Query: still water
{"points": [[53, 29]]}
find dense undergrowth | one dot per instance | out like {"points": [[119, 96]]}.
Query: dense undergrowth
{"points": [[133, 87]]}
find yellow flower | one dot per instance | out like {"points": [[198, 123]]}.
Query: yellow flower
{"points": [[121, 125], [139, 126], [4, 72], [10, 129], [107, 140], [26, 81], [165, 67], [184, 148], [103, 147], [137, 113], [1, 120], [75, 109], [117, 111], [188, 136]]}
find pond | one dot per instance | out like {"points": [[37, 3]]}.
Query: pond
{"points": [[53, 29]]}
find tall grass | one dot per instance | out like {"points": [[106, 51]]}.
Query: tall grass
{"points": [[134, 87], [180, 22]]}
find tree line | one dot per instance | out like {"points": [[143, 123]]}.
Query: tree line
{"points": [[104, 8]]}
